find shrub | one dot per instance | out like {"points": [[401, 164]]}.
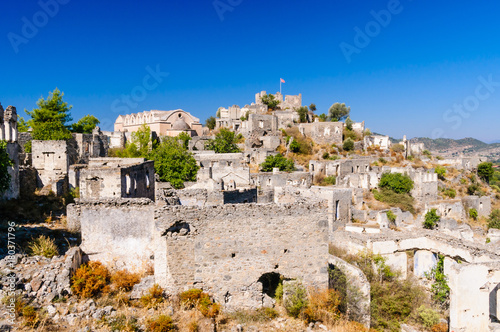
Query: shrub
{"points": [[382, 160], [396, 182], [428, 316], [295, 146], [322, 305], [441, 172], [153, 297], [31, 316], [43, 246], [326, 155], [451, 193], [329, 181], [441, 327], [224, 142], [398, 148], [391, 216], [90, 279], [431, 219], [427, 153], [121, 323], [254, 316], [403, 201], [162, 323], [124, 280], [197, 298], [295, 300], [473, 213], [284, 164], [440, 288], [348, 145], [494, 220], [485, 171]]}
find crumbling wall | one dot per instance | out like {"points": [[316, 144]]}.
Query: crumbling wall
{"points": [[13, 190], [481, 204], [119, 233], [281, 179], [226, 249], [50, 159], [323, 132]]}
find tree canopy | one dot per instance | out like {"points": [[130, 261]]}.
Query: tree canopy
{"points": [[49, 120], [224, 142], [5, 162], [210, 123], [85, 125], [303, 112], [397, 182], [312, 107], [22, 125], [485, 171], [277, 161], [271, 102], [140, 144], [173, 163], [338, 112]]}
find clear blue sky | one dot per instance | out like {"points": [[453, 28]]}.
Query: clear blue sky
{"points": [[405, 79]]}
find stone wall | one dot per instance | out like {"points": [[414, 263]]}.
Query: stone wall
{"points": [[50, 159], [481, 204], [119, 233], [14, 188], [281, 179], [323, 132], [226, 250], [107, 178]]}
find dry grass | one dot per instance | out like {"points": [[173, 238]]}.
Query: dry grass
{"points": [[43, 246]]}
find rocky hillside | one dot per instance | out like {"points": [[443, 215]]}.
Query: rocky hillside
{"points": [[466, 147]]}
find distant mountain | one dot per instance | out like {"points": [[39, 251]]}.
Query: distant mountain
{"points": [[494, 142], [460, 147]]}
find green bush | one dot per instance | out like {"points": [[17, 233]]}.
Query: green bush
{"points": [[451, 193], [329, 181], [403, 201], [295, 146], [398, 148], [396, 182], [485, 171], [440, 288], [224, 142], [441, 172], [473, 213], [278, 161], [348, 145], [382, 160], [431, 219], [428, 316], [296, 299], [494, 220], [391, 216]]}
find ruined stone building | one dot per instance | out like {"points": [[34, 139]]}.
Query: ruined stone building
{"points": [[323, 132], [8, 132], [291, 102], [163, 123], [382, 142], [105, 178]]}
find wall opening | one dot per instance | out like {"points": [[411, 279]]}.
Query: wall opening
{"points": [[337, 212], [495, 304], [270, 281]]}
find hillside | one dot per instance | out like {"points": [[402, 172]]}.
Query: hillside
{"points": [[466, 147]]}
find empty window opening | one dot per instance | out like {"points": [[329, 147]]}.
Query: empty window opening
{"points": [[233, 255], [337, 212], [270, 281]]}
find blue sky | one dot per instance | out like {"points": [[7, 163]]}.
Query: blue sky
{"points": [[418, 68]]}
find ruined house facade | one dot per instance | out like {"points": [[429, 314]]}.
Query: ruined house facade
{"points": [[323, 132]]}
